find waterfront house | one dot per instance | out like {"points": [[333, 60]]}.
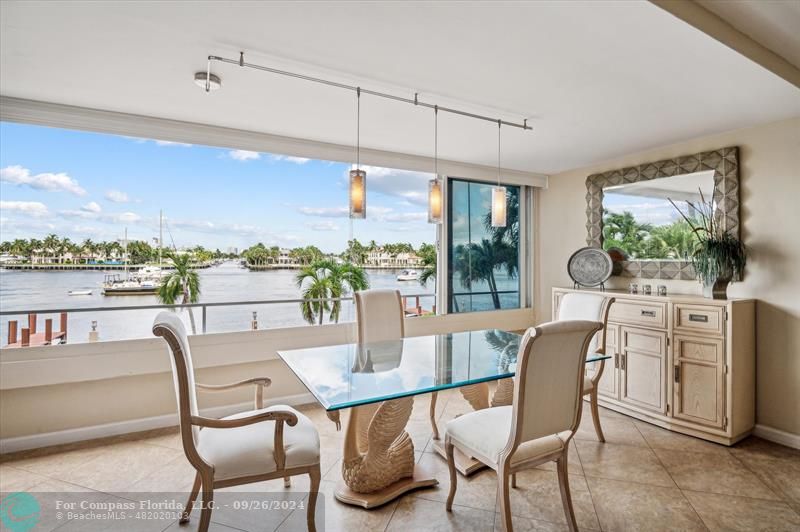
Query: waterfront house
{"points": [[564, 368]]}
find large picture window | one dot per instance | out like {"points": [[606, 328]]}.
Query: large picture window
{"points": [[483, 261]]}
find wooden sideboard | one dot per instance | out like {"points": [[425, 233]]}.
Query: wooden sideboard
{"points": [[681, 362]]}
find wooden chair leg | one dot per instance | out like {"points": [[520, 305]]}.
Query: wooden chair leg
{"points": [[314, 475], [596, 415], [563, 484], [192, 497], [432, 414], [505, 498], [208, 503], [451, 465], [513, 480]]}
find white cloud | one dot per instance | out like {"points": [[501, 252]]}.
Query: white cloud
{"points": [[172, 143], [30, 208], [161, 142], [325, 212], [92, 206], [61, 182], [405, 217], [289, 158], [128, 217], [405, 184], [117, 196], [325, 225], [109, 218], [244, 155]]}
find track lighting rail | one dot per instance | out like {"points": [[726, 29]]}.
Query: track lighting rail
{"points": [[415, 101]]}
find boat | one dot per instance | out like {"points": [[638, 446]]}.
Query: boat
{"points": [[408, 275], [146, 281], [79, 293], [115, 285]]}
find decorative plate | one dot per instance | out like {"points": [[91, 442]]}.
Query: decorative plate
{"points": [[590, 266]]}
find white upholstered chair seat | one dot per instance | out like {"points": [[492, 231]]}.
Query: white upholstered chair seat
{"points": [[249, 450], [486, 431]]}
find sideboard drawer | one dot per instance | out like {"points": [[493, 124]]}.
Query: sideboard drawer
{"points": [[649, 313], [696, 318]]}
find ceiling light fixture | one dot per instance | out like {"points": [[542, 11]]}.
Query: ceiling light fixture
{"points": [[358, 177], [499, 202], [435, 184], [207, 81]]}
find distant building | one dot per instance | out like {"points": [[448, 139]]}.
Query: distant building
{"points": [[283, 256], [381, 259]]}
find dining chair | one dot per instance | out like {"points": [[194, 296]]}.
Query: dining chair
{"points": [[595, 307], [541, 420], [252, 446]]}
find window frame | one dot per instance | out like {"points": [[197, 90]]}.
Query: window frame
{"points": [[525, 246]]}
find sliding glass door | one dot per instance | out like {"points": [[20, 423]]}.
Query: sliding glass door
{"points": [[483, 261]]}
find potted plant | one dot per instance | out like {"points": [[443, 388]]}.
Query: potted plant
{"points": [[718, 257]]}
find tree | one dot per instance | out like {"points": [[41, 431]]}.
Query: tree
{"points": [[356, 253], [624, 232], [325, 280], [478, 262], [182, 282], [51, 244], [427, 252], [509, 233]]}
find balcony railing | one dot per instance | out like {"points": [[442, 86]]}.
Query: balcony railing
{"points": [[134, 321]]}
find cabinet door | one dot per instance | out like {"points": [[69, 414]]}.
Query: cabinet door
{"points": [[608, 385], [643, 368], [699, 385]]}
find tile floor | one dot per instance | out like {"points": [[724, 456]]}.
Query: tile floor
{"points": [[642, 478]]}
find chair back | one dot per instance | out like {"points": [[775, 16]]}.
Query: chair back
{"points": [[380, 315], [586, 306], [170, 327], [549, 380]]}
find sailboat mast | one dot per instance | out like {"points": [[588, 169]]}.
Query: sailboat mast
{"points": [[160, 234], [125, 251]]}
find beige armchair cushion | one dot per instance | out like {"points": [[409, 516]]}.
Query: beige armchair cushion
{"points": [[249, 450], [486, 433]]}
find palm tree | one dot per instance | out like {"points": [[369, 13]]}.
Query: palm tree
{"points": [[427, 252], [34, 245], [88, 247], [324, 280], [51, 244], [183, 281], [477, 262]]}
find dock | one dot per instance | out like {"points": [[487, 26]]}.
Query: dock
{"points": [[30, 337]]}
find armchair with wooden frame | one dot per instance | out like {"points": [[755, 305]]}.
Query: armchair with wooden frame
{"points": [[253, 446]]}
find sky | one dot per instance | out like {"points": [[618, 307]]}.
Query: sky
{"points": [[90, 185]]}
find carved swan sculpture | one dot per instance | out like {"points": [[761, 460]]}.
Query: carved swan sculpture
{"points": [[377, 449]]}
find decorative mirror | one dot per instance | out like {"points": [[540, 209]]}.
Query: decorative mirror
{"points": [[630, 210]]}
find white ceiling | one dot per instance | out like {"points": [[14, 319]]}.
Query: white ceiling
{"points": [[596, 79]]}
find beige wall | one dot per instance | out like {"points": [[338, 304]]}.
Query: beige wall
{"points": [[770, 199]]}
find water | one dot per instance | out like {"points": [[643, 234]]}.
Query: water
{"points": [[23, 290]]}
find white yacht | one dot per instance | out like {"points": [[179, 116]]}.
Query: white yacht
{"points": [[408, 275]]}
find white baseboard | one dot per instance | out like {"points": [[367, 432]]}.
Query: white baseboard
{"points": [[46, 439], [778, 436]]}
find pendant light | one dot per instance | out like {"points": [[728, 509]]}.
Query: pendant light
{"points": [[435, 184], [358, 177], [498, 192]]}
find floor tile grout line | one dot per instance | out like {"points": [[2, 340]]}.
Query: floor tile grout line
{"points": [[591, 498], [783, 495]]}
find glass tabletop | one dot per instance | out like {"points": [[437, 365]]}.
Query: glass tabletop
{"points": [[342, 376]]}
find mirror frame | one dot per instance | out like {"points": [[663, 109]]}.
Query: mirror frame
{"points": [[725, 164]]}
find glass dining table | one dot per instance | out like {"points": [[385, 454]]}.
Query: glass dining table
{"points": [[377, 381]]}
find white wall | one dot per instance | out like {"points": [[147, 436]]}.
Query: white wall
{"points": [[770, 214]]}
